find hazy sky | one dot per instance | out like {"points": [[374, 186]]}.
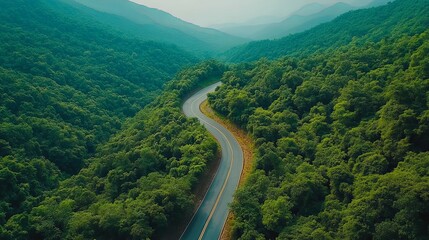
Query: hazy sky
{"points": [[209, 12]]}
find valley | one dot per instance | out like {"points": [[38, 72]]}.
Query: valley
{"points": [[102, 134]]}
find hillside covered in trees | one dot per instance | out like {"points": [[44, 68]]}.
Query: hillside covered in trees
{"points": [[66, 85], [138, 183], [361, 26], [93, 143], [341, 136]]}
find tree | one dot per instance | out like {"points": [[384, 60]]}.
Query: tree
{"points": [[276, 213]]}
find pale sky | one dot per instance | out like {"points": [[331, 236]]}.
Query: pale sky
{"points": [[211, 12]]}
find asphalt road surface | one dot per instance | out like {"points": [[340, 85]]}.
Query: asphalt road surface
{"points": [[210, 217]]}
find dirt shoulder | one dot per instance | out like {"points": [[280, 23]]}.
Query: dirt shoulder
{"points": [[246, 144]]}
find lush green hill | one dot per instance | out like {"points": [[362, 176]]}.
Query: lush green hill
{"points": [[138, 184], [153, 24], [341, 125], [66, 84], [341, 135], [361, 26]]}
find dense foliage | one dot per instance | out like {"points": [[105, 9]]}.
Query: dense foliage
{"points": [[66, 84], [341, 127], [138, 183], [341, 140], [399, 17]]}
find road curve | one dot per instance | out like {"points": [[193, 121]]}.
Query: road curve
{"points": [[208, 221]]}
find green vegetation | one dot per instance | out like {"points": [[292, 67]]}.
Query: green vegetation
{"points": [[368, 25], [342, 139], [66, 85], [341, 125], [138, 183]]}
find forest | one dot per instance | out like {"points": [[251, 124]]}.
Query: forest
{"points": [[365, 25], [94, 145], [61, 95], [137, 184], [341, 141]]}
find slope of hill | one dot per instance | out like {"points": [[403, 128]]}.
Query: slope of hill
{"points": [[251, 22], [138, 184], [341, 126], [153, 24], [148, 32], [287, 26], [299, 23], [303, 20], [377, 3], [67, 84], [368, 25], [310, 9], [341, 134]]}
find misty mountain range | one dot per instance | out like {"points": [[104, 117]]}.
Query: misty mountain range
{"points": [[305, 18], [151, 24], [156, 25]]}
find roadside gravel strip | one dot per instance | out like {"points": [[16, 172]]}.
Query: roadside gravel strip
{"points": [[208, 221]]}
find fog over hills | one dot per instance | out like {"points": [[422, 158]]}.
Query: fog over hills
{"points": [[303, 19], [156, 25], [209, 13]]}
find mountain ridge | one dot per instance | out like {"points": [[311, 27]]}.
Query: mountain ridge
{"points": [[298, 21], [160, 24], [305, 18], [371, 29]]}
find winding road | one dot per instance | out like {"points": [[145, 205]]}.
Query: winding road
{"points": [[208, 221]]}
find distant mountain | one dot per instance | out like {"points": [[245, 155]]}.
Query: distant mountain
{"points": [[254, 21], [305, 18], [263, 20], [310, 9], [370, 24], [377, 3], [298, 23], [156, 25]]}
